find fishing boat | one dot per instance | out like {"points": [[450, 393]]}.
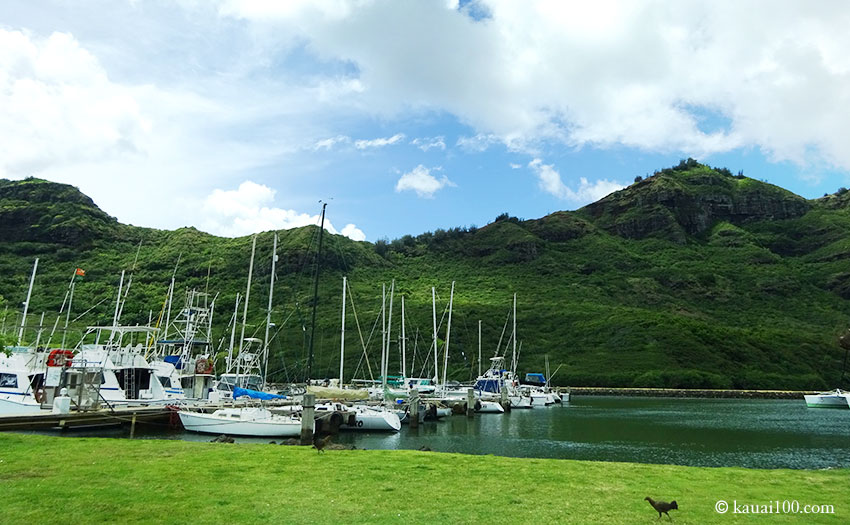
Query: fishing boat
{"points": [[833, 399]]}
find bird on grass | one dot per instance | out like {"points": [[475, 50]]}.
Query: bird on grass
{"points": [[662, 506], [320, 443]]}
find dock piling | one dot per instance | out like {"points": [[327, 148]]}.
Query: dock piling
{"points": [[307, 419], [133, 426], [470, 402], [413, 408]]}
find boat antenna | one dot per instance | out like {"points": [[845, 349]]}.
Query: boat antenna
{"points": [[315, 294]]}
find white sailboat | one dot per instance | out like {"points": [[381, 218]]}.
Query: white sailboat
{"points": [[244, 421]]}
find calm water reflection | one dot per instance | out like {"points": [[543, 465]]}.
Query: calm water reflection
{"points": [[702, 432]]}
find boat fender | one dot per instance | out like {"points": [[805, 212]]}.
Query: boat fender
{"points": [[59, 357], [477, 405]]}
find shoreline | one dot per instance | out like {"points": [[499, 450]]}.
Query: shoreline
{"points": [[686, 392]]}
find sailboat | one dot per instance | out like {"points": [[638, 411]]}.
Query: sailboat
{"points": [[366, 417], [253, 420]]}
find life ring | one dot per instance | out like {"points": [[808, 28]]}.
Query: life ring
{"points": [[203, 366], [59, 357]]}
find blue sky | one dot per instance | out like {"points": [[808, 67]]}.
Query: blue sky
{"points": [[237, 116]]}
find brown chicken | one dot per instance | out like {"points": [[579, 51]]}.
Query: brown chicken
{"points": [[662, 506], [320, 443]]}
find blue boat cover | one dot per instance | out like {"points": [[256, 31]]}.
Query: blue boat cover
{"points": [[254, 394], [540, 379]]}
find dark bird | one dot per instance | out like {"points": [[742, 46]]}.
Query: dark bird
{"points": [[662, 506], [320, 443]]}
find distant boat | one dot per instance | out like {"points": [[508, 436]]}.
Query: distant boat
{"points": [[833, 399]]}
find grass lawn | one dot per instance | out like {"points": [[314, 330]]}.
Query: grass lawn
{"points": [[85, 480]]}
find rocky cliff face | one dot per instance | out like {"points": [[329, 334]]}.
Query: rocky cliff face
{"points": [[675, 204], [36, 210]]}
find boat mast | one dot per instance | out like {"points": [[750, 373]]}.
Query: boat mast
{"points": [[247, 293], [168, 309], [70, 302], [27, 303], [117, 305], [448, 335], [479, 348], [389, 333], [170, 298], [403, 345], [269, 315], [315, 295], [233, 334], [342, 334], [434, 311], [383, 333], [40, 330], [513, 359]]}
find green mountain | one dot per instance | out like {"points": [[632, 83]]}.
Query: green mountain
{"points": [[692, 277]]}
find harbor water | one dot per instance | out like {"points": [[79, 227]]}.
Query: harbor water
{"points": [[755, 433]]}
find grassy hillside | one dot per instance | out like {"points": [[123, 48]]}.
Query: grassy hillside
{"points": [[693, 277]]}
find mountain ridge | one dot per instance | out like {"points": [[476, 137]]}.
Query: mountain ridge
{"points": [[691, 277]]}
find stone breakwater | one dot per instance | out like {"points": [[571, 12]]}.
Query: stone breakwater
{"points": [[677, 392]]}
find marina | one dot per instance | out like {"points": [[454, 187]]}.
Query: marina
{"points": [[755, 433]]}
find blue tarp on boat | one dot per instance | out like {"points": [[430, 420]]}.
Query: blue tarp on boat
{"points": [[254, 394]]}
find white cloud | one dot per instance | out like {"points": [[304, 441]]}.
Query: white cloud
{"points": [[329, 143], [644, 74], [353, 232], [248, 209], [58, 107], [515, 166], [427, 143], [422, 182], [477, 143], [587, 192], [379, 142]]}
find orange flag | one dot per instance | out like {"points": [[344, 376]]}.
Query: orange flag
{"points": [[81, 272]]}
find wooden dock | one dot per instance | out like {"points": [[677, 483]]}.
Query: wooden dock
{"points": [[88, 418]]}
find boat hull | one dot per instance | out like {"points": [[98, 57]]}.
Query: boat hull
{"points": [[491, 407], [828, 400], [276, 426], [9, 407], [375, 420]]}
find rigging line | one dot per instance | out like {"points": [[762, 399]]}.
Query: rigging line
{"points": [[89, 310], [365, 345], [360, 333]]}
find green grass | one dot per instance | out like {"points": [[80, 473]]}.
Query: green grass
{"points": [[86, 480]]}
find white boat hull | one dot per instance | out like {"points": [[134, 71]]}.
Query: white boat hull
{"points": [[9, 407], [520, 401], [828, 400], [490, 407], [256, 423], [377, 420]]}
